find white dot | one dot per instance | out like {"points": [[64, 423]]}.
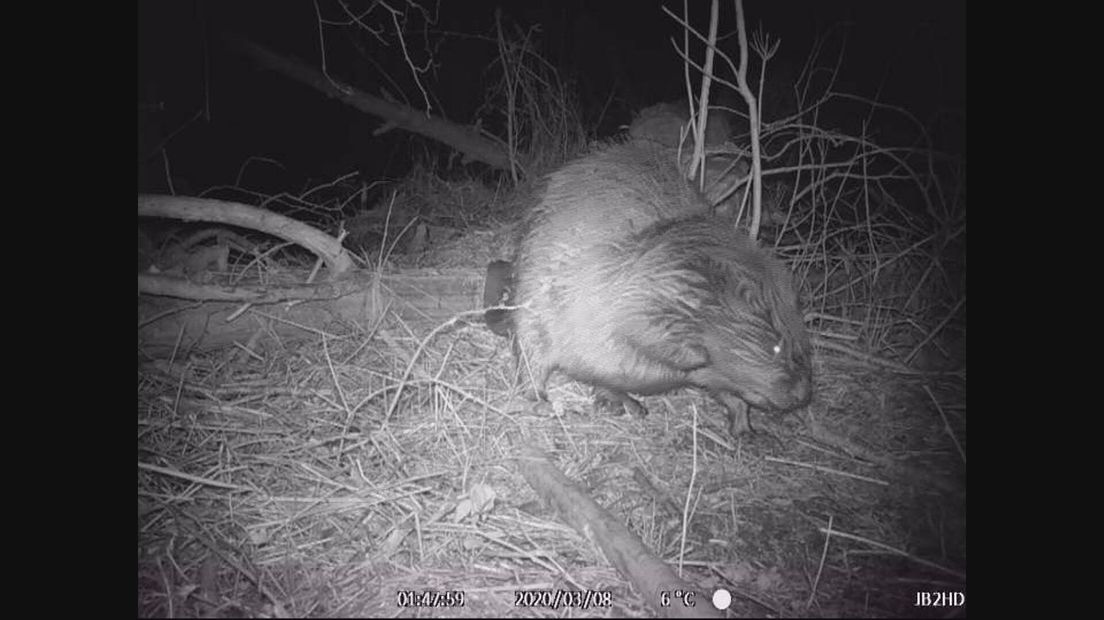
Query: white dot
{"points": [[722, 599]]}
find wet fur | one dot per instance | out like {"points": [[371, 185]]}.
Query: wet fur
{"points": [[629, 286]]}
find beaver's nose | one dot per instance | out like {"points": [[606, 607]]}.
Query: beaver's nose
{"points": [[798, 390], [802, 390]]}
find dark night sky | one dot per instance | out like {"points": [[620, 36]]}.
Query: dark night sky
{"points": [[914, 51]]}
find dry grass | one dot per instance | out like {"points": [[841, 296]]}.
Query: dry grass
{"points": [[281, 486], [323, 478]]}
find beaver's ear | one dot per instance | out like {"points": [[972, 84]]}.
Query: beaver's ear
{"points": [[749, 294], [693, 355], [684, 353]]}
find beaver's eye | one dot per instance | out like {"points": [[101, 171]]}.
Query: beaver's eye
{"points": [[777, 348]]}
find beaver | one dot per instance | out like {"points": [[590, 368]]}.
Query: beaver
{"points": [[623, 281]]}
